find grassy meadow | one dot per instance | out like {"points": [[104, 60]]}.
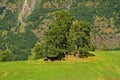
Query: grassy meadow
{"points": [[105, 66]]}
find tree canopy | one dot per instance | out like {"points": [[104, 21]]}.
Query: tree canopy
{"points": [[66, 34]]}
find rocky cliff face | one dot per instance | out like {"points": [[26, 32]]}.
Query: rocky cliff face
{"points": [[27, 8], [22, 8]]}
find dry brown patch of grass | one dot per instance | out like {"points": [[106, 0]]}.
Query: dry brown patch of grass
{"points": [[100, 78]]}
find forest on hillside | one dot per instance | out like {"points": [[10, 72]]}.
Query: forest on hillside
{"points": [[23, 23]]}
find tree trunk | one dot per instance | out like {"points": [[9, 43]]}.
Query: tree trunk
{"points": [[76, 56]]}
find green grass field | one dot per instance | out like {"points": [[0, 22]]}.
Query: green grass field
{"points": [[105, 67]]}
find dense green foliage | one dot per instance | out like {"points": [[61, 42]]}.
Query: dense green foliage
{"points": [[103, 68], [79, 36], [65, 34], [4, 55], [57, 33], [19, 43], [38, 51], [103, 15]]}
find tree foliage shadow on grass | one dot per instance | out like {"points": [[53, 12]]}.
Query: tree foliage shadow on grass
{"points": [[85, 54], [63, 56]]}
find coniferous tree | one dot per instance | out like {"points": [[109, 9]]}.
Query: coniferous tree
{"points": [[56, 35], [79, 36], [65, 34]]}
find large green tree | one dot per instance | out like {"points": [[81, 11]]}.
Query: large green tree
{"points": [[56, 35], [65, 34], [79, 36]]}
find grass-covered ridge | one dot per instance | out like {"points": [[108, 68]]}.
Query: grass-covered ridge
{"points": [[105, 67]]}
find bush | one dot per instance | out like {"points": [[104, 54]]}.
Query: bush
{"points": [[4, 54], [37, 51], [85, 54]]}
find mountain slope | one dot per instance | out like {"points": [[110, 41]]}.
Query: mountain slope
{"points": [[23, 22]]}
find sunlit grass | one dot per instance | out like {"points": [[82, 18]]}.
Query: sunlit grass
{"points": [[105, 67]]}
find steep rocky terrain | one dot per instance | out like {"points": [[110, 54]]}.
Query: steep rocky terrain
{"points": [[23, 22]]}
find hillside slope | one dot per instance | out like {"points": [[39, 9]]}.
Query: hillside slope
{"points": [[22, 22], [104, 68]]}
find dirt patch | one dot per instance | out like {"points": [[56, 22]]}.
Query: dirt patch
{"points": [[100, 78]]}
